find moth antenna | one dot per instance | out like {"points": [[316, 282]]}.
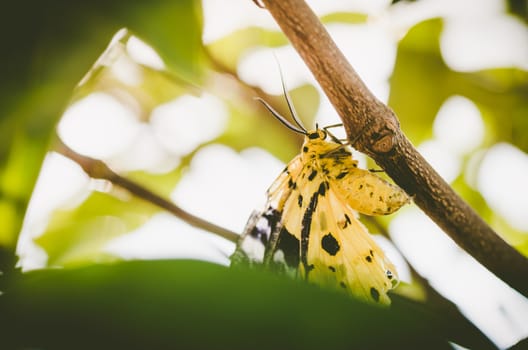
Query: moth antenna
{"points": [[289, 102], [280, 118]]}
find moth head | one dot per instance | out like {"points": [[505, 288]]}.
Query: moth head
{"points": [[318, 134]]}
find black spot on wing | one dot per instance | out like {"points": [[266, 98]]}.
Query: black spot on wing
{"points": [[300, 200], [305, 149], [322, 188], [289, 244], [292, 184], [369, 258], [342, 175], [265, 225], [330, 244], [273, 216], [331, 268], [374, 294], [312, 175], [347, 221], [261, 235], [305, 231]]}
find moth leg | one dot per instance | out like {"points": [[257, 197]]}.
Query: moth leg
{"points": [[338, 125], [360, 133], [271, 247], [332, 136]]}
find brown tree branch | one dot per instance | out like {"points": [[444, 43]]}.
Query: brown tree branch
{"points": [[99, 170], [463, 331], [384, 142]]}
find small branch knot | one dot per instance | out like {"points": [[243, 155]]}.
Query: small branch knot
{"points": [[383, 141], [385, 130]]}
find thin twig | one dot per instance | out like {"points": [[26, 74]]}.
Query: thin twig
{"points": [[99, 170], [387, 145]]}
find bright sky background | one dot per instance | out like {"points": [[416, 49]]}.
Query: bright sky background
{"points": [[102, 127]]}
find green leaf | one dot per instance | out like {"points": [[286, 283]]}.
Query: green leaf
{"points": [[228, 50], [418, 80], [189, 304], [78, 236], [421, 82], [155, 88], [48, 48]]}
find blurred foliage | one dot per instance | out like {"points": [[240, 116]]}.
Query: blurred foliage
{"points": [[229, 49], [344, 17], [420, 84], [78, 236], [159, 304], [195, 305], [47, 48], [154, 87], [519, 8]]}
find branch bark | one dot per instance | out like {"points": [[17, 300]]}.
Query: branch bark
{"points": [[99, 170], [384, 142]]}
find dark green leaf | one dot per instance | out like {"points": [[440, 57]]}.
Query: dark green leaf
{"points": [[186, 304]]}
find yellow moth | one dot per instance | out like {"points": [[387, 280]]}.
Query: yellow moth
{"points": [[310, 229]]}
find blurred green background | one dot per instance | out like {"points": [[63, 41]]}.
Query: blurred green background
{"points": [[55, 55]]}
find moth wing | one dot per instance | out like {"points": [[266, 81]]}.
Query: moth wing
{"points": [[281, 188], [295, 216], [262, 225], [368, 193], [344, 255]]}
